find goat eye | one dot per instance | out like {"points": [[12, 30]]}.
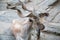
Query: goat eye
{"points": [[30, 20]]}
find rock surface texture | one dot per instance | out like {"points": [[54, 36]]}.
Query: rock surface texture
{"points": [[52, 24]]}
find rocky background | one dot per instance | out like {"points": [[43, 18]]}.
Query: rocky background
{"points": [[51, 32]]}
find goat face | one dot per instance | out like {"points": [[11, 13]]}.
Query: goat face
{"points": [[21, 28]]}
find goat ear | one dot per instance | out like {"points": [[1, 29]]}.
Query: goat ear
{"points": [[43, 14]]}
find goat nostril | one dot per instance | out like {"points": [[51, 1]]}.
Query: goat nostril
{"points": [[30, 20]]}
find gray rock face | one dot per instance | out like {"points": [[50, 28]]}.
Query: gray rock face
{"points": [[5, 32], [6, 17], [3, 6]]}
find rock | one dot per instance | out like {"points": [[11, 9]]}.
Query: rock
{"points": [[8, 16]]}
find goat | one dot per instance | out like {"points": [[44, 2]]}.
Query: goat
{"points": [[21, 28]]}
